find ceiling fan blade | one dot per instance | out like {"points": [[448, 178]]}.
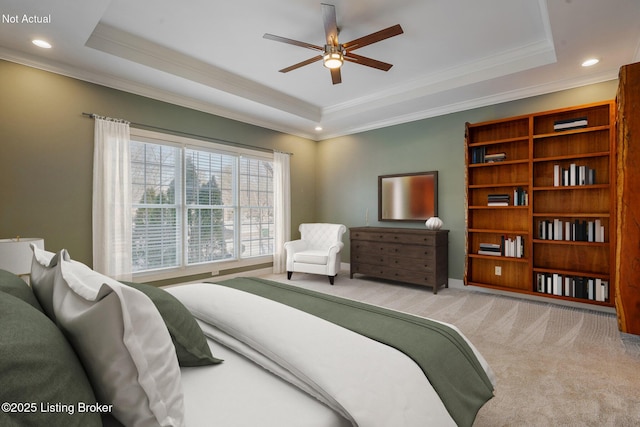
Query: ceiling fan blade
{"points": [[293, 42], [336, 76], [363, 60], [373, 37], [301, 64], [330, 25]]}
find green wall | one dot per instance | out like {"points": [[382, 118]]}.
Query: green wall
{"points": [[347, 183], [46, 149], [46, 152]]}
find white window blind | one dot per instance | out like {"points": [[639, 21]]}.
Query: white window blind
{"points": [[194, 205], [210, 179], [256, 207], [155, 171]]}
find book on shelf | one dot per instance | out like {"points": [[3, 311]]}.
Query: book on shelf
{"points": [[573, 175], [576, 230], [520, 197], [498, 200], [577, 123], [493, 249], [512, 247], [495, 157], [477, 155], [582, 287], [480, 155]]}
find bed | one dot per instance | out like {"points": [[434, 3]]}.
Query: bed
{"points": [[242, 352]]}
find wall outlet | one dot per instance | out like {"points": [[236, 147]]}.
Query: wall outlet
{"points": [[215, 273], [498, 270]]}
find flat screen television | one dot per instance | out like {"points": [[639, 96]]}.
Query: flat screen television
{"points": [[408, 196]]}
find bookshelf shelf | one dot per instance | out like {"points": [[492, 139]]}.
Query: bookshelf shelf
{"points": [[537, 160], [498, 207], [571, 157], [573, 214], [494, 231], [500, 163], [501, 258], [573, 132], [569, 242], [509, 184], [571, 187]]}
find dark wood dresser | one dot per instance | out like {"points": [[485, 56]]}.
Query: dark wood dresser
{"points": [[410, 255]]}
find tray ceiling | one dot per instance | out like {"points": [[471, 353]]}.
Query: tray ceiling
{"points": [[211, 56]]}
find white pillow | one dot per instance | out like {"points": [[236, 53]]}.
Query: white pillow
{"points": [[123, 344], [43, 275]]}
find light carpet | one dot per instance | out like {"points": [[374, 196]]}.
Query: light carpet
{"points": [[555, 365]]}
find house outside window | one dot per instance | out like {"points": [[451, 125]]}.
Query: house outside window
{"points": [[197, 203]]}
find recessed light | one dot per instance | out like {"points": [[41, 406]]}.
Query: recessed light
{"points": [[318, 128], [590, 62], [41, 43]]}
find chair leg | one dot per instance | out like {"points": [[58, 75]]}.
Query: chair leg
{"points": [[331, 279], [289, 273]]}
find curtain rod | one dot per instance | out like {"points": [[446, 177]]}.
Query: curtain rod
{"points": [[191, 135]]}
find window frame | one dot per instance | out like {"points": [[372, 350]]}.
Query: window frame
{"points": [[209, 267]]}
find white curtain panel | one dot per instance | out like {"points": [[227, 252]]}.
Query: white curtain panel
{"points": [[112, 199], [282, 209]]}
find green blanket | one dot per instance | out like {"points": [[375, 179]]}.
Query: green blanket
{"points": [[442, 354]]}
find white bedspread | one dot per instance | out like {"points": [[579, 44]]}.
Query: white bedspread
{"points": [[369, 383], [239, 393]]}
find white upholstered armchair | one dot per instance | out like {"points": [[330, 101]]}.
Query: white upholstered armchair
{"points": [[317, 251]]}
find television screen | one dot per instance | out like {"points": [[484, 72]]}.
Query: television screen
{"points": [[408, 197]]}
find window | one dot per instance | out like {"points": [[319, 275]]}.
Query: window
{"points": [[198, 203]]}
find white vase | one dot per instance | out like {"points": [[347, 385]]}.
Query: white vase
{"points": [[433, 223]]}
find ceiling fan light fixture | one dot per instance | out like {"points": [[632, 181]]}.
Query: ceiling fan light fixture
{"points": [[333, 56]]}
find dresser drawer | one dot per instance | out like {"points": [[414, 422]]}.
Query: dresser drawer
{"points": [[400, 275], [402, 238], [422, 264], [377, 248]]}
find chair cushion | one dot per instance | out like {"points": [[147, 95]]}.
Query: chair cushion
{"points": [[321, 236], [312, 257]]}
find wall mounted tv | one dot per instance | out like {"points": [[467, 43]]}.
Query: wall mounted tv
{"points": [[408, 196]]}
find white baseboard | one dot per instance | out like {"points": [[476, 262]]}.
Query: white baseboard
{"points": [[459, 284]]}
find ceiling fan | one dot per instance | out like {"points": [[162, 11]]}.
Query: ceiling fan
{"points": [[334, 53]]}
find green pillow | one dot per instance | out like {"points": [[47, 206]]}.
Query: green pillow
{"points": [[39, 367], [190, 343], [12, 284]]}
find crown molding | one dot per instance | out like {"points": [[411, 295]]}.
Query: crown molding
{"points": [[111, 40]]}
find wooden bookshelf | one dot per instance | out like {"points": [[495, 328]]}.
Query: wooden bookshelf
{"points": [[564, 161], [628, 201]]}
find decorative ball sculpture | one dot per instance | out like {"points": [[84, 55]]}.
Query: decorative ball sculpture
{"points": [[433, 223]]}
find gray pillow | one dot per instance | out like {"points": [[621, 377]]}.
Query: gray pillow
{"points": [[38, 366], [190, 343], [12, 284]]}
